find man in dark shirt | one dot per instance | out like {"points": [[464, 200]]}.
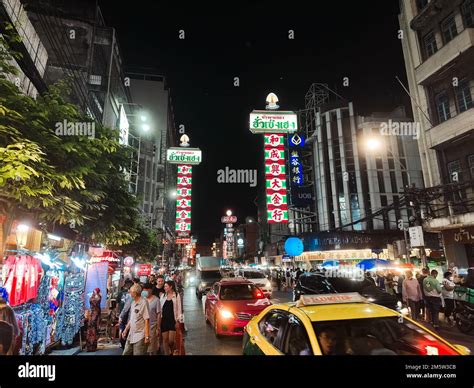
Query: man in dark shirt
{"points": [[424, 312], [159, 288]]}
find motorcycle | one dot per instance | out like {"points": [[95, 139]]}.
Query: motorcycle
{"points": [[464, 316]]}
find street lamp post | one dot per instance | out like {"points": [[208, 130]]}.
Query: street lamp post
{"points": [[374, 144]]}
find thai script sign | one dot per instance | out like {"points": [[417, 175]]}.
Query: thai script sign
{"points": [[273, 122], [184, 156]]}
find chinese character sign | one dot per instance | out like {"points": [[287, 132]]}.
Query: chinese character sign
{"points": [[296, 170], [275, 173], [183, 199]]}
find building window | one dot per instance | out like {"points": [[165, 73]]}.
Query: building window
{"points": [[448, 29], [454, 171], [420, 4], [463, 96], [470, 161], [391, 164], [468, 13], [380, 178], [379, 164], [442, 106], [405, 179], [393, 182], [430, 44], [95, 79]]}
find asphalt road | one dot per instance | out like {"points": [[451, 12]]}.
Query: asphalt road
{"points": [[200, 339]]}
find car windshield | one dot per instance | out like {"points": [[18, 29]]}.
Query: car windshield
{"points": [[253, 275], [377, 336], [317, 284], [238, 292], [210, 275]]}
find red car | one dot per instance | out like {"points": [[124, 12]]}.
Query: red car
{"points": [[231, 304]]}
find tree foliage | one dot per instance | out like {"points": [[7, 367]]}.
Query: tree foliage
{"points": [[77, 180]]}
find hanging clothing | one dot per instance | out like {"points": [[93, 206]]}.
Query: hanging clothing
{"points": [[72, 310], [22, 275], [93, 324]]}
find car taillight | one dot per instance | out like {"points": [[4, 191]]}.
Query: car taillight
{"points": [[437, 349], [259, 295]]}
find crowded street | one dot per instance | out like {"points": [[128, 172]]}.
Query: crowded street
{"points": [[187, 180]]}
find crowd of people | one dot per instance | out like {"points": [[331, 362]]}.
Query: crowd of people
{"points": [[150, 317], [286, 278], [423, 293]]}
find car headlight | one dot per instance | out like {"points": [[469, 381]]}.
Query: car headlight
{"points": [[226, 314]]}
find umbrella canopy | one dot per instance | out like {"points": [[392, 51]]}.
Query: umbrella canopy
{"points": [[369, 264], [330, 263]]}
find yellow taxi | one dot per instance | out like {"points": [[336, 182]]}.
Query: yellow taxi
{"points": [[340, 324]]}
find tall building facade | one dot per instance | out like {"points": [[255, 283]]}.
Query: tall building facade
{"points": [[359, 169], [84, 51], [438, 47], [33, 58], [156, 178]]}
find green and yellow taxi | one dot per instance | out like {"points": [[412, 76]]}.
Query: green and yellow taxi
{"points": [[340, 324]]}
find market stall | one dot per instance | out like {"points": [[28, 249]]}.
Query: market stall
{"points": [[47, 297]]}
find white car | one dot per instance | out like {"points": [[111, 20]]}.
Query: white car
{"points": [[259, 279]]}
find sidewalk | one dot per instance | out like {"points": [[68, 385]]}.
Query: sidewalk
{"points": [[105, 349]]}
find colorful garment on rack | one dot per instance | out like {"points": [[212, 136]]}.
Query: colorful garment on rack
{"points": [[50, 297], [72, 311], [22, 278], [32, 326]]}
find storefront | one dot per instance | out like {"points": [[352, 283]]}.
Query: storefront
{"points": [[459, 246], [103, 272]]}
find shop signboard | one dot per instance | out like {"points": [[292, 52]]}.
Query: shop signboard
{"points": [[296, 169], [128, 261], [263, 121], [301, 196], [178, 155], [143, 269], [229, 219], [416, 236], [296, 140]]}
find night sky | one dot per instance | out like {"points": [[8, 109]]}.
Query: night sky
{"points": [[355, 39]]}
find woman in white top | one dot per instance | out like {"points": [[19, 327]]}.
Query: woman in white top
{"points": [[171, 316], [448, 296]]}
